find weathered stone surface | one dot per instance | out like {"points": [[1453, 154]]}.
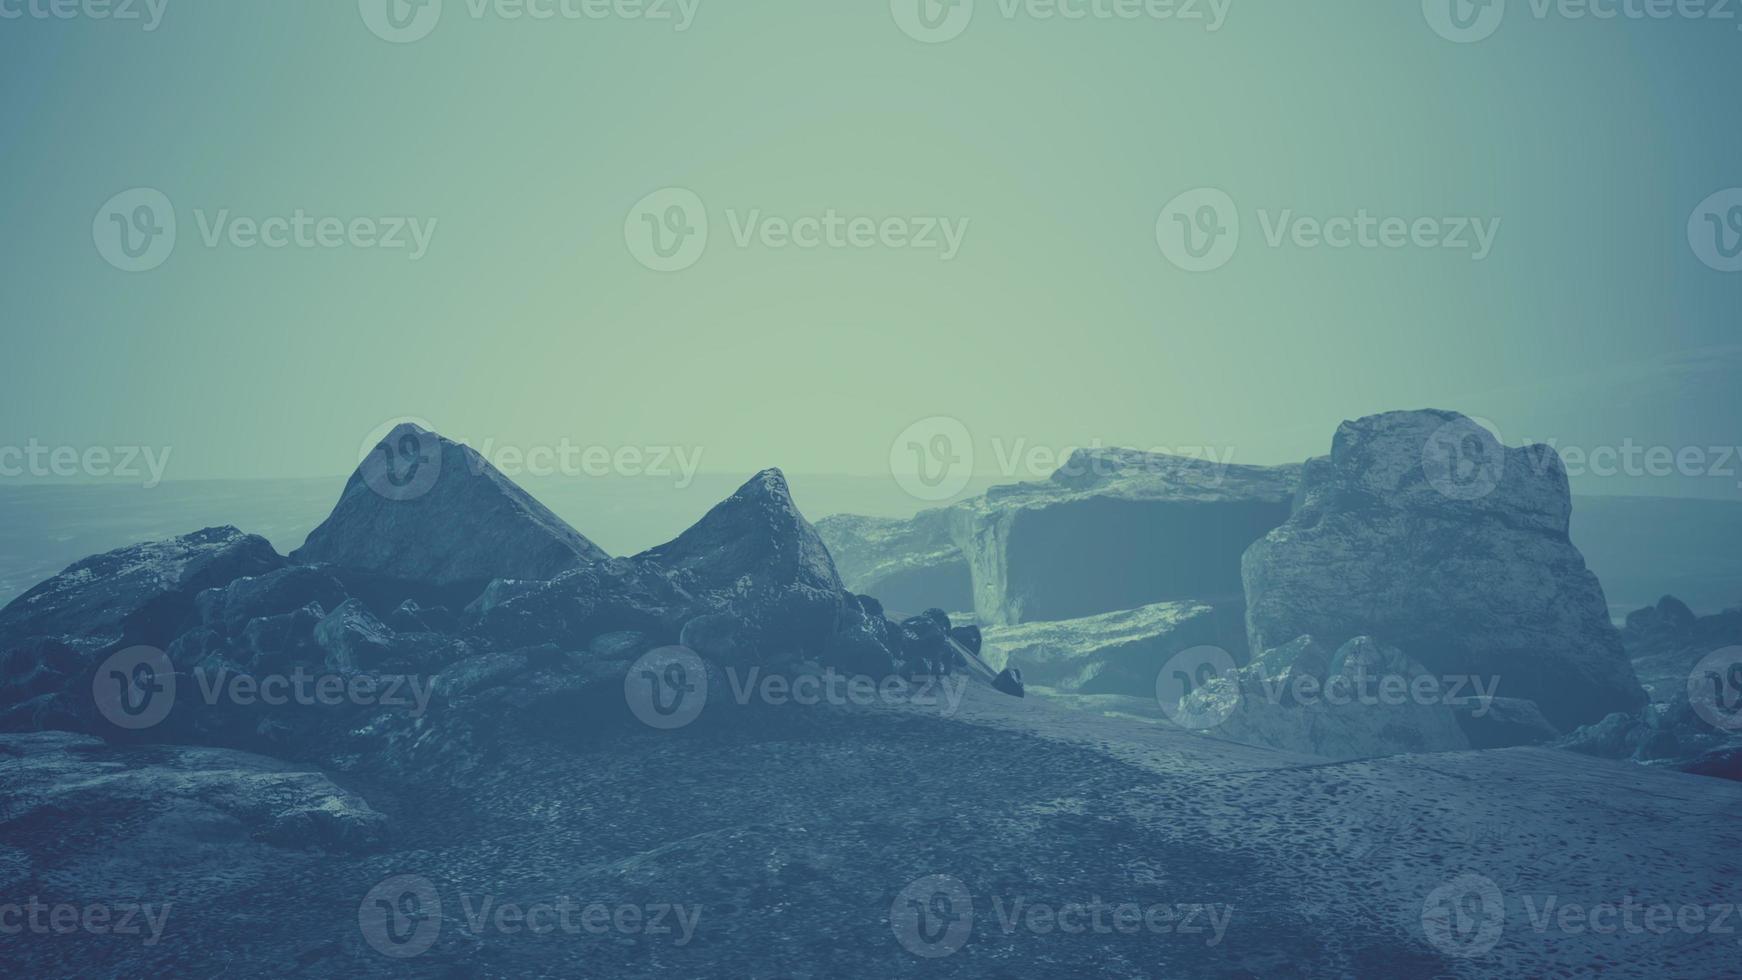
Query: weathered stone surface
{"points": [[1666, 641], [1496, 723], [1115, 529], [168, 802], [1113, 653], [757, 537], [287, 589], [423, 509], [141, 594], [907, 564], [1360, 707], [1421, 531]]}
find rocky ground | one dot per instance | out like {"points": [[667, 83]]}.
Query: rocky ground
{"points": [[787, 836]]}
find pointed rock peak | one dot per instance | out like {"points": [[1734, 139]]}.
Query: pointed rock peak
{"points": [[757, 533], [423, 508]]}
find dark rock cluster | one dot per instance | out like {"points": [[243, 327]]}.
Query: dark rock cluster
{"points": [[439, 580]]}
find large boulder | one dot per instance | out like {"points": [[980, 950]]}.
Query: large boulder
{"points": [[142, 593], [1113, 653], [1421, 531], [1116, 529], [905, 564], [420, 508]]}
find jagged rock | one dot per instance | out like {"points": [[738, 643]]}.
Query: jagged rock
{"points": [[140, 594], [412, 616], [1009, 681], [354, 640], [1497, 723], [925, 645], [907, 564], [1113, 653], [609, 596], [294, 587], [1371, 701], [1116, 529], [423, 509], [969, 637], [863, 641], [755, 555], [271, 644], [1461, 561], [169, 802], [758, 535], [1670, 732], [1666, 641], [722, 637]]}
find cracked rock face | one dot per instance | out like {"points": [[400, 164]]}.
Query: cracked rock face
{"points": [[416, 482], [1421, 531], [1116, 529]]}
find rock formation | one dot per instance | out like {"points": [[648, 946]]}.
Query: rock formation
{"points": [[1363, 701], [1116, 529], [1113, 653], [1665, 642], [423, 509], [138, 594], [1421, 531], [906, 564]]}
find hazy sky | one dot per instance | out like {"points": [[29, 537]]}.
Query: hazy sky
{"points": [[1049, 147]]}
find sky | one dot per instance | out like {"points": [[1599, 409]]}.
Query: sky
{"points": [[992, 210]]}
